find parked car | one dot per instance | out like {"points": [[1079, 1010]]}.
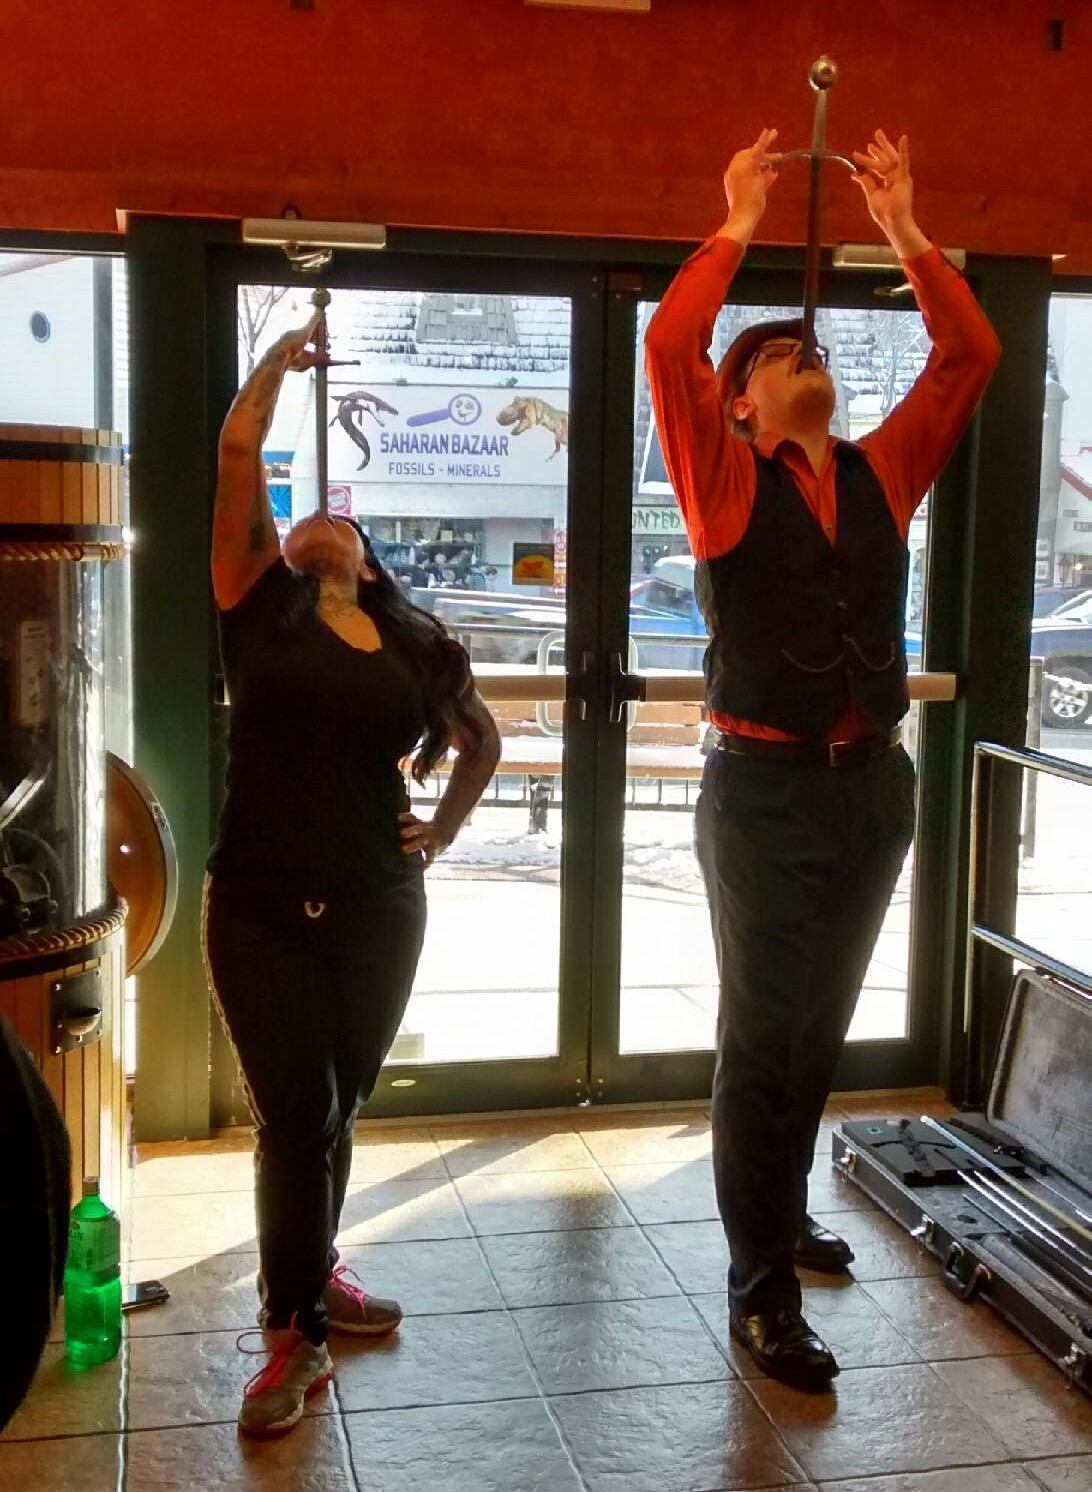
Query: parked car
{"points": [[664, 620], [664, 606], [1055, 600], [1064, 642], [507, 627], [494, 627]]}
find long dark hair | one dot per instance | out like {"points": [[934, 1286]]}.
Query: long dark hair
{"points": [[441, 663]]}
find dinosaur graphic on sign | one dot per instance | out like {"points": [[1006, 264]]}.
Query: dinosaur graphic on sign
{"points": [[524, 412]]}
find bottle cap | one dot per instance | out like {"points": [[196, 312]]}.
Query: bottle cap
{"points": [[90, 1186]]}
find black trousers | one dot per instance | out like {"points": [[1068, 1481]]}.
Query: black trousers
{"points": [[799, 863], [311, 996]]}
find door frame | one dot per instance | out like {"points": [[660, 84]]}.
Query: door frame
{"points": [[938, 887], [980, 606], [412, 1088]]}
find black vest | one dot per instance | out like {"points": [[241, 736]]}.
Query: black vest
{"points": [[799, 627]]}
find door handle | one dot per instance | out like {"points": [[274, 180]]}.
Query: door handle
{"points": [[624, 688], [578, 688]]}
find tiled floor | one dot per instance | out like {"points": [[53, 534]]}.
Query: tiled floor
{"points": [[566, 1332]]}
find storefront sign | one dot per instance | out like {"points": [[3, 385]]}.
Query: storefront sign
{"points": [[532, 564], [561, 549], [450, 434], [657, 520]]}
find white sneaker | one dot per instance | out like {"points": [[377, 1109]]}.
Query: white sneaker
{"points": [[273, 1400]]}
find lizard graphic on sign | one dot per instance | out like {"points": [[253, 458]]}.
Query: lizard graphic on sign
{"points": [[351, 409]]}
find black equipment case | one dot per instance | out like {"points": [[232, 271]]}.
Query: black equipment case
{"points": [[1004, 1199]]}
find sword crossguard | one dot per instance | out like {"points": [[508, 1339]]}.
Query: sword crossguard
{"points": [[827, 155]]}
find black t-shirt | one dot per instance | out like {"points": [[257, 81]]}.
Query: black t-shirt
{"points": [[317, 733]]}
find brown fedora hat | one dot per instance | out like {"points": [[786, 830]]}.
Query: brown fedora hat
{"points": [[731, 379]]}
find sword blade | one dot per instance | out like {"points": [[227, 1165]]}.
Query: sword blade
{"points": [[320, 300], [814, 246], [1023, 1216], [322, 458], [983, 1162]]}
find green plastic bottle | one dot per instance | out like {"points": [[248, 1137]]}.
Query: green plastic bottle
{"points": [[92, 1280]]}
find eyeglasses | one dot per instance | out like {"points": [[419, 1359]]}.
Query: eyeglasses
{"points": [[775, 351]]}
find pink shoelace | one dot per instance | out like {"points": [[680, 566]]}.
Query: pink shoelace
{"points": [[270, 1375], [340, 1278]]}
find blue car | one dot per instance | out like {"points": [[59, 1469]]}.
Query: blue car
{"points": [[663, 608]]}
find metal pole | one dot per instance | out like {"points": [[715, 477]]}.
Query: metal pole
{"points": [[320, 300], [821, 76], [1031, 780], [981, 798]]}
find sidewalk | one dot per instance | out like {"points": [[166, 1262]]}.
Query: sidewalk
{"points": [[487, 984]]}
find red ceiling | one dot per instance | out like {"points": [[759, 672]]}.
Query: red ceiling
{"points": [[486, 114]]}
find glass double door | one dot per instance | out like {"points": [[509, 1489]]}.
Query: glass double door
{"points": [[488, 423]]}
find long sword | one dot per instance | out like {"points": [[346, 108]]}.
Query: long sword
{"points": [[822, 75], [982, 1161], [1050, 1237], [320, 300]]}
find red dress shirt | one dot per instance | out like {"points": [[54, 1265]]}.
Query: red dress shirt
{"points": [[713, 472]]}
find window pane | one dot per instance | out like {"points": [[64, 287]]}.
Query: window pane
{"points": [[448, 442], [64, 329], [1055, 900], [1060, 695], [669, 979]]}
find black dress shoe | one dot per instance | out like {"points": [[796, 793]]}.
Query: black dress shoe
{"points": [[816, 1248], [785, 1347]]}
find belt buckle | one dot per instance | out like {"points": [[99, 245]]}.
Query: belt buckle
{"points": [[841, 752]]}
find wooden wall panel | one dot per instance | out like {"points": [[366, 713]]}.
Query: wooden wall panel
{"points": [[489, 114], [89, 1082]]}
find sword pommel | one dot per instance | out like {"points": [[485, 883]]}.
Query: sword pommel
{"points": [[823, 73]]}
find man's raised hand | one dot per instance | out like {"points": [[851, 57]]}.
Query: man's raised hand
{"points": [[750, 175], [884, 177]]}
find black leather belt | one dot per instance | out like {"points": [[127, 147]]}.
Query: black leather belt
{"points": [[831, 754]]}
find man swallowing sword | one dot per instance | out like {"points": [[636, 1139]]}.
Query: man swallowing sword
{"points": [[807, 806]]}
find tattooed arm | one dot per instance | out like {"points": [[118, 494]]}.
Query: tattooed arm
{"points": [[244, 537]]}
